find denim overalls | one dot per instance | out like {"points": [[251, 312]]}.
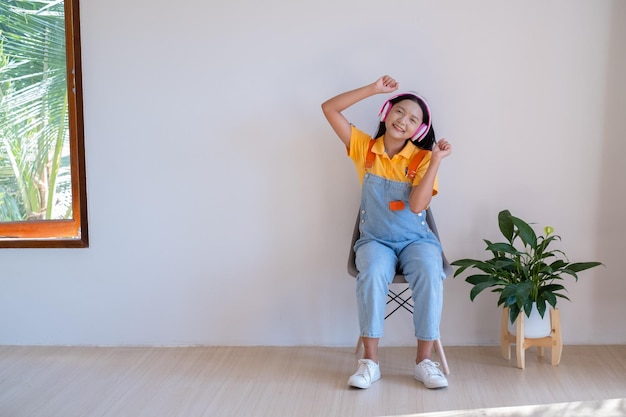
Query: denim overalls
{"points": [[393, 238]]}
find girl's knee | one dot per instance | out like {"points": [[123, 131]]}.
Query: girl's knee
{"points": [[426, 269], [374, 259], [374, 278]]}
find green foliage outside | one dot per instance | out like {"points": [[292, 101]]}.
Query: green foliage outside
{"points": [[35, 179]]}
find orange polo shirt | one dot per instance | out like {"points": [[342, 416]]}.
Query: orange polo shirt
{"points": [[392, 169]]}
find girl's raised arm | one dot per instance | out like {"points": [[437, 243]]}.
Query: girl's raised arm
{"points": [[333, 107]]}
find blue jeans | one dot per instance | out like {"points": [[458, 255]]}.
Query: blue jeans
{"points": [[396, 240]]}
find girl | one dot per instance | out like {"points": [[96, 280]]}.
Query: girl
{"points": [[398, 173]]}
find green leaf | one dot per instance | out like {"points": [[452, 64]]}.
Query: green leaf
{"points": [[506, 225], [509, 291], [513, 313], [478, 288], [558, 264], [471, 263], [479, 279], [581, 266], [552, 288], [526, 233], [561, 296], [550, 298], [522, 293], [464, 262], [541, 307], [503, 247], [528, 307]]}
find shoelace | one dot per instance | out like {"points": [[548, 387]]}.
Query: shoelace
{"points": [[364, 371], [431, 368]]}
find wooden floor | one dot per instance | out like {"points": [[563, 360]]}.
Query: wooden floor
{"points": [[289, 381]]}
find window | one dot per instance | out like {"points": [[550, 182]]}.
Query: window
{"points": [[43, 201]]}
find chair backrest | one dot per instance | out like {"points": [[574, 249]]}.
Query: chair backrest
{"points": [[430, 219]]}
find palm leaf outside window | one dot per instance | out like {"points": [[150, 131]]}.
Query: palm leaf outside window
{"points": [[35, 154]]}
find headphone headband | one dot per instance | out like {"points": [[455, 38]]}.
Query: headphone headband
{"points": [[423, 129]]}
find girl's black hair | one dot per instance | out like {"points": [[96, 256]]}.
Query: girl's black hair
{"points": [[429, 140]]}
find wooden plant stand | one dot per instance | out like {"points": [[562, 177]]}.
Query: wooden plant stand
{"points": [[554, 341]]}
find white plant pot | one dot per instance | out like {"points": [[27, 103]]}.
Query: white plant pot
{"points": [[535, 326]]}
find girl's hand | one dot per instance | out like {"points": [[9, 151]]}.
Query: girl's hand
{"points": [[441, 149], [386, 84]]}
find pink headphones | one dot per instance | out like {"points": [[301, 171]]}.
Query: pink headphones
{"points": [[423, 129]]}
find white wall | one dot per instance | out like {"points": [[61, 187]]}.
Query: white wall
{"points": [[221, 204]]}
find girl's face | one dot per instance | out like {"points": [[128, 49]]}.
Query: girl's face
{"points": [[404, 118]]}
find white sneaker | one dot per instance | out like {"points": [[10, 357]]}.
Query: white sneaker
{"points": [[429, 374], [366, 375]]}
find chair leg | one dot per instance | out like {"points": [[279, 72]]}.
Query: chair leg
{"points": [[442, 357]]}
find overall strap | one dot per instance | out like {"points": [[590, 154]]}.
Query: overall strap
{"points": [[415, 162], [412, 168], [369, 158]]}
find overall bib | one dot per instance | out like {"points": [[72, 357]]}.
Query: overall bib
{"points": [[393, 238]]}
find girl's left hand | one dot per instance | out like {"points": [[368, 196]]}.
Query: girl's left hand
{"points": [[386, 84], [442, 148]]}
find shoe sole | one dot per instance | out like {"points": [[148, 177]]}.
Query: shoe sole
{"points": [[431, 386], [362, 386]]}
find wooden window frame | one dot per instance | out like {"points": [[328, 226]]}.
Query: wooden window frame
{"points": [[62, 233]]}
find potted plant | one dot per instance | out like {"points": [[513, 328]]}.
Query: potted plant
{"points": [[524, 270]]}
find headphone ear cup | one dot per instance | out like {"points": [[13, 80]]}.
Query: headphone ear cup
{"points": [[420, 133], [384, 111]]}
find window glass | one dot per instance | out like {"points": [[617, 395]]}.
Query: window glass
{"points": [[41, 157]]}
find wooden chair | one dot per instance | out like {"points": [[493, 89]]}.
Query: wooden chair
{"points": [[401, 299]]}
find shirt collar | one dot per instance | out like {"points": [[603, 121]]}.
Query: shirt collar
{"points": [[406, 152]]}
